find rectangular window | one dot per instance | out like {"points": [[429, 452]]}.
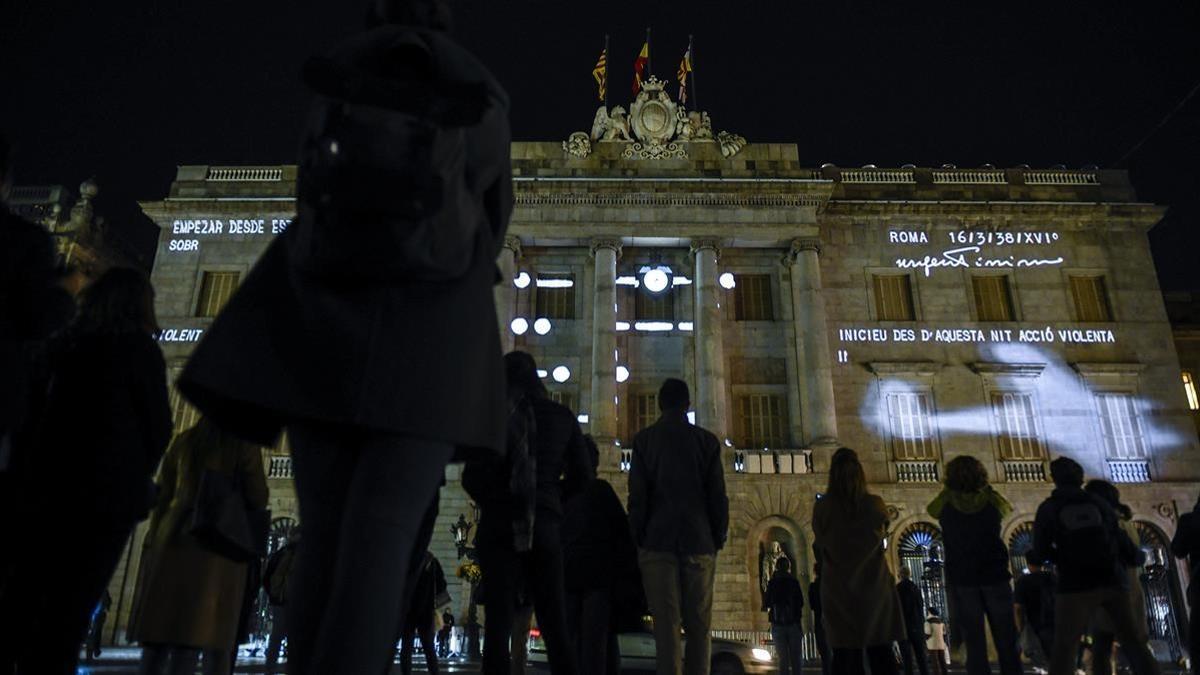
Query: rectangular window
{"points": [[910, 414], [761, 421], [183, 415], [1091, 298], [643, 411], [1016, 426], [1120, 426], [564, 398], [215, 290], [993, 299], [893, 297], [752, 298], [659, 307], [1189, 388], [555, 296]]}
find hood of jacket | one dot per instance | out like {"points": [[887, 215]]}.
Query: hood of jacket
{"points": [[969, 502]]}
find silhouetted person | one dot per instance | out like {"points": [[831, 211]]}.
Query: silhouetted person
{"points": [[368, 328], [1033, 604], [814, 604], [189, 597], [279, 568], [1102, 627], [548, 434], [784, 602], [858, 599], [419, 622], [977, 565], [444, 633], [106, 424], [679, 514], [912, 606], [598, 557], [1079, 533], [1186, 544]]}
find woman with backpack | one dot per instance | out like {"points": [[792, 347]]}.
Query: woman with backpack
{"points": [[977, 565], [858, 599], [1103, 638], [189, 596]]}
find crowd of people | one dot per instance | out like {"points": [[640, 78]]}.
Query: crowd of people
{"points": [[318, 342]]}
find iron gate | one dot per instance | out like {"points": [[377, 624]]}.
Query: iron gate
{"points": [[1160, 589], [920, 550]]}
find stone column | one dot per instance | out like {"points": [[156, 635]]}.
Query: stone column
{"points": [[708, 391], [505, 293], [812, 344], [603, 408]]}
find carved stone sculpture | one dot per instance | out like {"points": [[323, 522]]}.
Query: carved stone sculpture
{"points": [[578, 145], [618, 126], [731, 144]]}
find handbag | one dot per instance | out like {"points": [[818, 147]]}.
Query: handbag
{"points": [[222, 522]]}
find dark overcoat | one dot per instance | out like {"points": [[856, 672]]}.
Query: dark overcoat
{"points": [[414, 358]]}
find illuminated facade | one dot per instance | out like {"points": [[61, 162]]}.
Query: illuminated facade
{"points": [[913, 314]]}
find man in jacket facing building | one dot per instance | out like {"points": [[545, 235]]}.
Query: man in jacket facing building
{"points": [[784, 602], [679, 514]]}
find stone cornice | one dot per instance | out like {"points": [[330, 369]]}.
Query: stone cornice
{"points": [[664, 199], [1140, 214]]}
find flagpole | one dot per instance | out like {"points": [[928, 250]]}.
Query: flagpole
{"points": [[606, 71], [692, 57], [649, 51]]}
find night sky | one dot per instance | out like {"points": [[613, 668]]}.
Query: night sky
{"points": [[127, 90]]}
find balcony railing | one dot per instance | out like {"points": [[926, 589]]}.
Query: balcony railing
{"points": [[626, 460], [245, 173], [279, 466], [877, 176], [1024, 471], [776, 461], [917, 472], [1057, 177], [1129, 470], [969, 176]]}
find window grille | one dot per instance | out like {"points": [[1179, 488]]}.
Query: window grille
{"points": [[557, 302], [912, 426], [215, 290], [1016, 426], [1120, 425], [752, 298], [1091, 298], [654, 307], [183, 415], [643, 412], [761, 421], [993, 299], [565, 398], [893, 297]]}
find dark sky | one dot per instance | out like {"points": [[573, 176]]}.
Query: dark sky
{"points": [[127, 90]]}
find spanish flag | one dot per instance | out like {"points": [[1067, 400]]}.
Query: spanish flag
{"points": [[639, 67], [685, 67], [600, 72]]}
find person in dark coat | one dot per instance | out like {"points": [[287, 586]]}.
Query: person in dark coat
{"points": [[562, 466], [377, 382], [1033, 602], [444, 633], [785, 606], [598, 556], [275, 582], [679, 514], [1186, 544], [419, 622], [1079, 533], [814, 604], [107, 423], [977, 564], [912, 606]]}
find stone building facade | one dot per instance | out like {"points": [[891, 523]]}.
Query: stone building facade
{"points": [[913, 314]]}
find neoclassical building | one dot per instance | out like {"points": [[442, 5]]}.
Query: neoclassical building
{"points": [[914, 314]]}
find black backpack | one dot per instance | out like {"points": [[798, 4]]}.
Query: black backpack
{"points": [[1086, 540], [783, 609], [383, 192]]}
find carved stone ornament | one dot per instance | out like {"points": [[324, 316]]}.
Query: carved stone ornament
{"points": [[893, 513], [606, 242], [513, 243], [654, 151], [578, 145], [653, 114], [713, 245], [1165, 510]]}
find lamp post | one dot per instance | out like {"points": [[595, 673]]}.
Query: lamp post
{"points": [[461, 531]]}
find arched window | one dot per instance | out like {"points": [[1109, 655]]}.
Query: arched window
{"points": [[1020, 542], [1161, 590], [920, 550]]}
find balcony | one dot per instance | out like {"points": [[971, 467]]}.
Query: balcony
{"points": [[279, 467], [917, 472], [1129, 470], [772, 461], [1015, 471]]}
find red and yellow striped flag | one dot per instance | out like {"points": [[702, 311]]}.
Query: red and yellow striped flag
{"points": [[685, 67], [600, 73], [639, 67]]}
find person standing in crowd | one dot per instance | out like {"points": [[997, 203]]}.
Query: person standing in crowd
{"points": [[106, 423], [375, 420], [275, 582], [1033, 605], [977, 567], [814, 604], [912, 606], [784, 602], [546, 457], [1078, 532], [430, 583], [444, 633], [858, 599], [1102, 628], [190, 597], [935, 633], [679, 514], [1186, 544], [598, 556]]}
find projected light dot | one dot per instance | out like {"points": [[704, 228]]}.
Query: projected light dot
{"points": [[622, 373], [541, 326], [656, 280], [542, 374], [561, 374], [522, 280], [727, 281], [519, 326]]}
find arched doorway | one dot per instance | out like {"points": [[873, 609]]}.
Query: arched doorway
{"points": [[1020, 543], [919, 549], [770, 539], [281, 530], [1161, 589]]}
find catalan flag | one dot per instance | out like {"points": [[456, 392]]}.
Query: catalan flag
{"points": [[600, 73], [685, 67], [639, 67]]}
